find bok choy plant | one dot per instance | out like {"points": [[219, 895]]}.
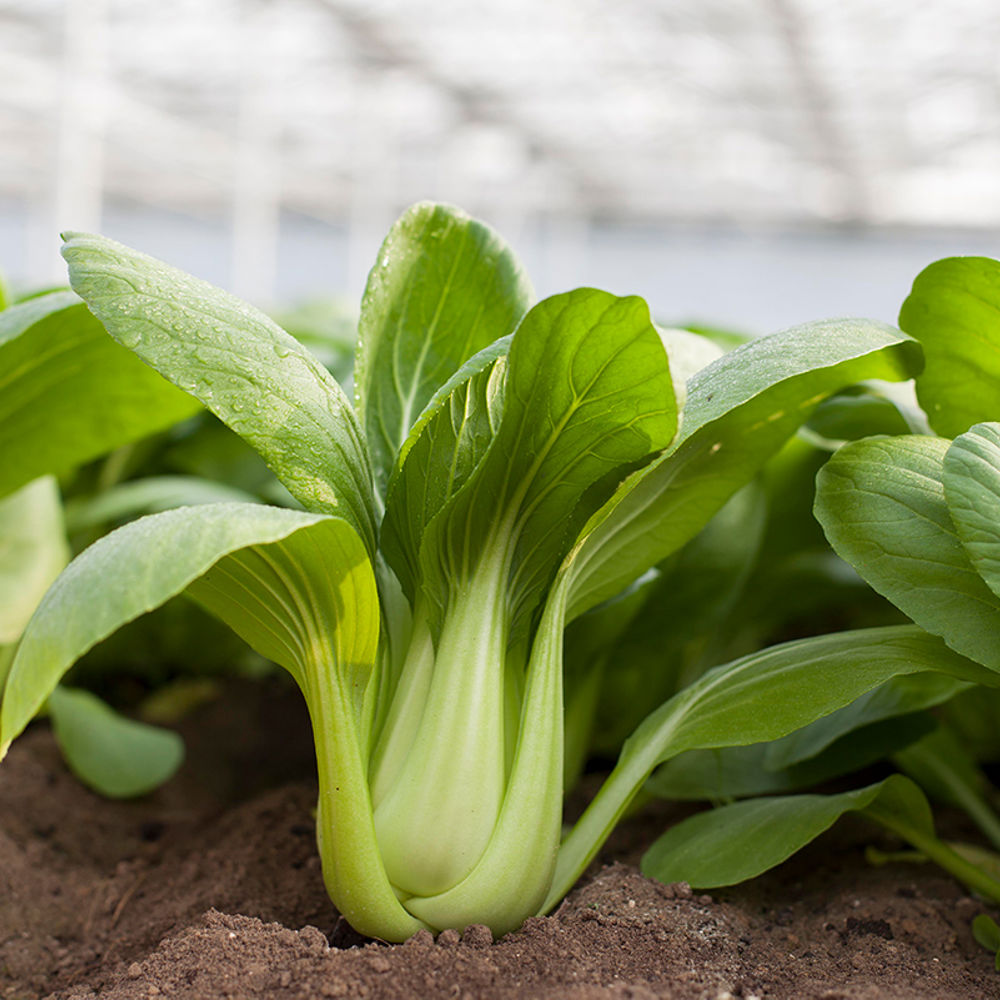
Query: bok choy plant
{"points": [[917, 516], [506, 468]]}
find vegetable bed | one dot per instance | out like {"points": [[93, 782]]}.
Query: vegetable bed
{"points": [[552, 582], [210, 888]]}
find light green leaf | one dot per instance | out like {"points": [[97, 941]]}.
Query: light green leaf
{"points": [[971, 480], [125, 574], [443, 288], [445, 445], [255, 377], [115, 756], [33, 552], [150, 495], [754, 699], [740, 841], [954, 311], [588, 391], [739, 412], [882, 506], [69, 393]]}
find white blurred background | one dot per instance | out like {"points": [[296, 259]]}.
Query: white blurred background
{"points": [[745, 163]]}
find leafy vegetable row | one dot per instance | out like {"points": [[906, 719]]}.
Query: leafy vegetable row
{"points": [[469, 550]]}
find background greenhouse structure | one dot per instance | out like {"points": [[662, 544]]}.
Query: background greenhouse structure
{"points": [[753, 163]]}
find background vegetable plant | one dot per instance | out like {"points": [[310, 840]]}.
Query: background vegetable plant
{"points": [[916, 516], [505, 469]]}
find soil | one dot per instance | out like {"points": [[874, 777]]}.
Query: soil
{"points": [[211, 888]]}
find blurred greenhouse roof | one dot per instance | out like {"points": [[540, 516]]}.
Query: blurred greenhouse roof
{"points": [[753, 113]]}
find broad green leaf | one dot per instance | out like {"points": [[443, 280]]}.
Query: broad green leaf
{"points": [[971, 480], [147, 496], [69, 393], [882, 506], [123, 575], [740, 772], [115, 756], [740, 841], [588, 392], [444, 446], [444, 286], [954, 311], [4, 294], [899, 696], [757, 698], [247, 370], [33, 552], [740, 410]]}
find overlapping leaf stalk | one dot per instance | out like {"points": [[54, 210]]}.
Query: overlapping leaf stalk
{"points": [[505, 468]]}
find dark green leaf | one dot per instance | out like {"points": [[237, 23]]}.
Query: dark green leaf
{"points": [[740, 841], [69, 393]]}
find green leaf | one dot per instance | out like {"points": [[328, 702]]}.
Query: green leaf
{"points": [[740, 841], [123, 575], [739, 772], [740, 410], [115, 756], [69, 393], [33, 552], [898, 696], [588, 391], [852, 415], [882, 506], [255, 377], [954, 311], [150, 495], [759, 697], [971, 480], [987, 933], [946, 771], [444, 447], [444, 287]]}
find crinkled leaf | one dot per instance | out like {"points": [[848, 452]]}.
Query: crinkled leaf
{"points": [[444, 286], [971, 479], [882, 506], [445, 445], [737, 842], [247, 370], [759, 697], [739, 411], [115, 756], [69, 393], [33, 552], [954, 311]]}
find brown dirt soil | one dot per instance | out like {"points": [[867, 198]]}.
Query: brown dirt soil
{"points": [[211, 888]]}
